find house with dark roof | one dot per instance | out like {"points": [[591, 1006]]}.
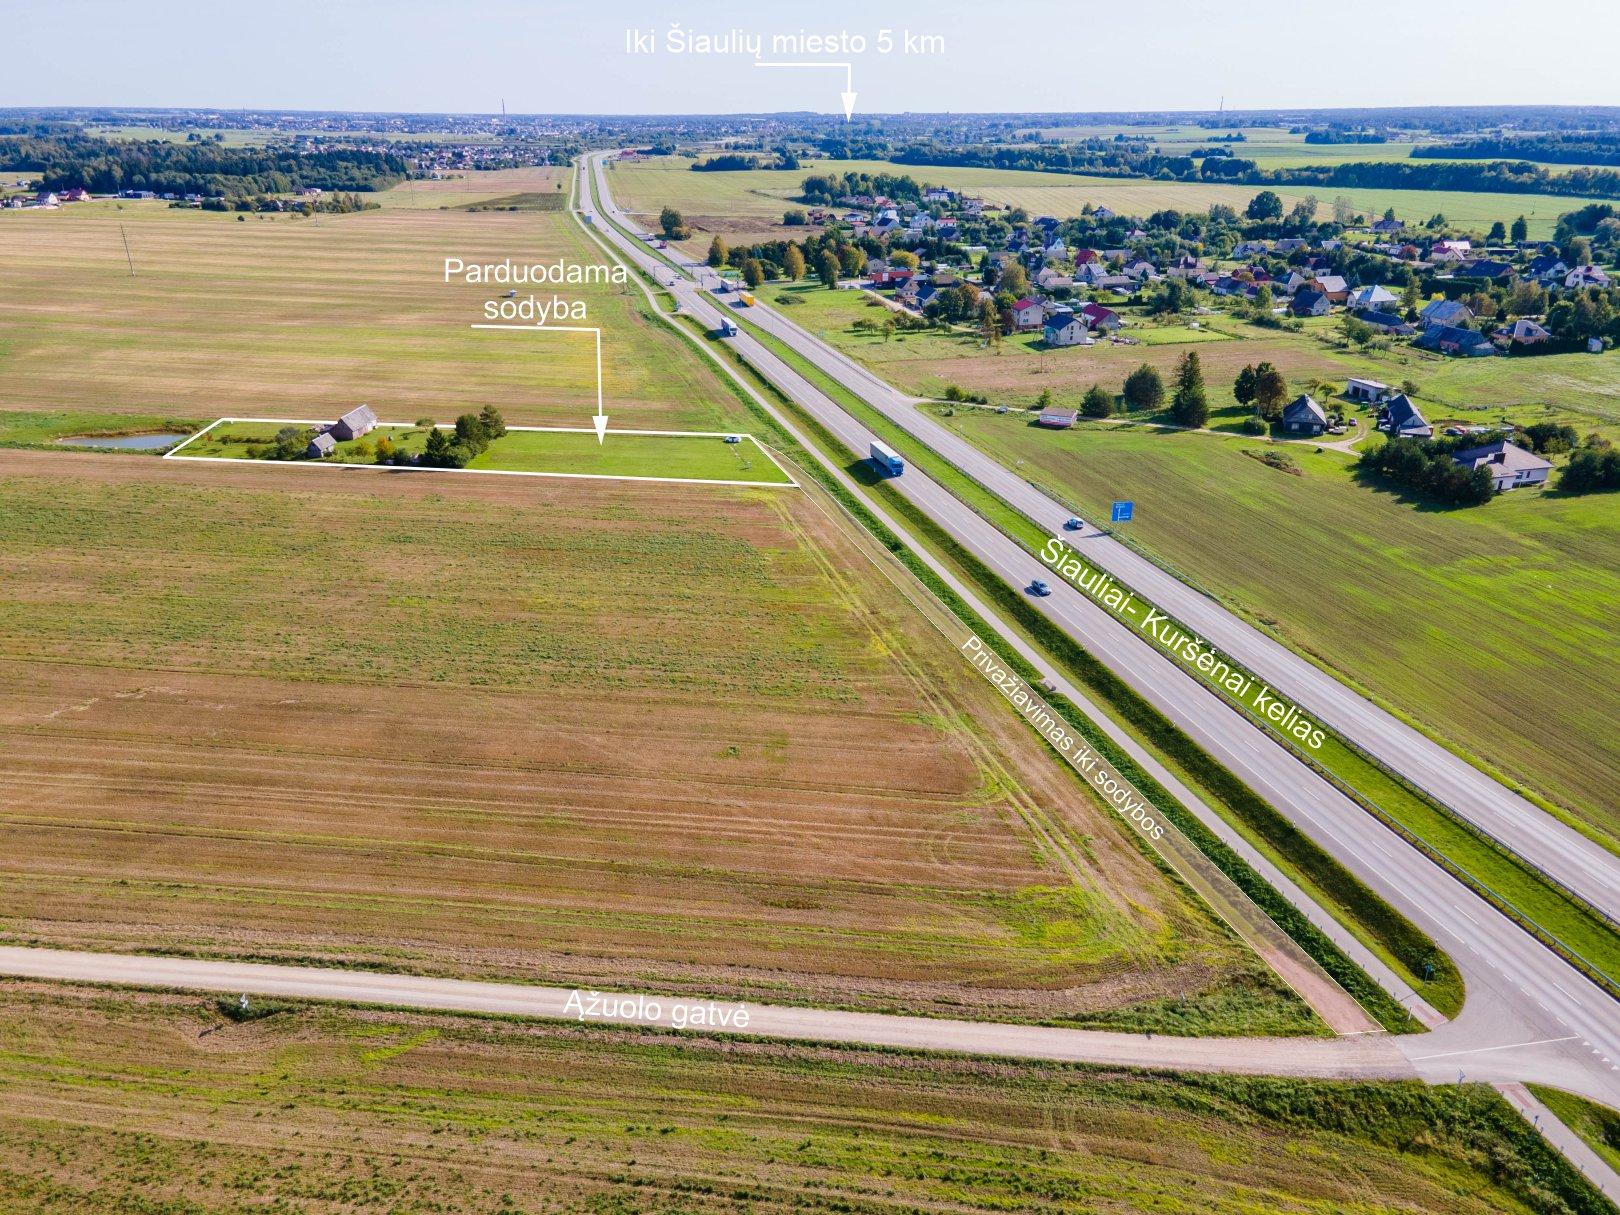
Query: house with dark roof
{"points": [[1510, 466], [1303, 416], [1459, 343], [1065, 329], [1445, 312], [1389, 323], [1309, 302], [1401, 419], [1486, 268], [353, 424]]}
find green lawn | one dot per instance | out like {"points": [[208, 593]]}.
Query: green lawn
{"points": [[1597, 1124], [553, 452]]}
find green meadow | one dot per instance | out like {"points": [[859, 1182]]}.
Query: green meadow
{"points": [[1492, 626], [552, 452]]}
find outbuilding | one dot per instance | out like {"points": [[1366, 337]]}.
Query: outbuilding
{"points": [[355, 423], [321, 445], [1367, 392]]}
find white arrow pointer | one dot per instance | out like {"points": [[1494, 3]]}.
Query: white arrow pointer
{"points": [[600, 420], [848, 95]]}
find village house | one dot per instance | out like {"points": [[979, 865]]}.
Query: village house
{"points": [[1547, 267], [1510, 466], [1027, 315], [1459, 343], [1586, 276], [1522, 332], [352, 425], [1303, 416], [1371, 299], [1096, 316], [1485, 268], [1400, 419], [1389, 323], [1058, 419], [1386, 227], [1445, 312], [1309, 302], [1367, 392], [1066, 329], [1333, 286]]}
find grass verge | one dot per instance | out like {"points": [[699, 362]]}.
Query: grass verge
{"points": [[1391, 935]]}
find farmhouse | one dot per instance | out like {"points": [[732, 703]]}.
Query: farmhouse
{"points": [[1367, 392], [1401, 419], [353, 424], [1510, 466], [1304, 417], [1058, 419], [321, 445]]}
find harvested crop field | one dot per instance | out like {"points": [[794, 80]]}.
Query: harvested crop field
{"points": [[572, 732], [281, 316], [162, 1104]]}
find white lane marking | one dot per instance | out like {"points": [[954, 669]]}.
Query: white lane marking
{"points": [[1565, 990], [1480, 1050], [1465, 915]]}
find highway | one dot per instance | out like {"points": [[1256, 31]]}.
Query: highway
{"points": [[1580, 864], [1530, 1015]]}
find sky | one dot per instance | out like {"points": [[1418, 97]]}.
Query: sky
{"points": [[568, 56]]}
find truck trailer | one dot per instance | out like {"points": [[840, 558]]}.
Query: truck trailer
{"points": [[887, 460]]}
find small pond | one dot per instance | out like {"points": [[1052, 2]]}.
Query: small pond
{"points": [[147, 442]]}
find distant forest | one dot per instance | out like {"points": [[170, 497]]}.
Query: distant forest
{"points": [[1583, 149], [1121, 157], [105, 166]]}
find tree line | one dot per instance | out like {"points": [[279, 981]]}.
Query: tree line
{"points": [[105, 166]]}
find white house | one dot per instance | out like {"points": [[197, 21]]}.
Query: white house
{"points": [[1510, 466], [1066, 329]]}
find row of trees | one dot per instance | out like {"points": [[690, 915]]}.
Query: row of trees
{"points": [[473, 434], [1426, 466]]}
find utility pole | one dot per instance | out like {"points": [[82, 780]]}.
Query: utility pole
{"points": [[127, 256]]}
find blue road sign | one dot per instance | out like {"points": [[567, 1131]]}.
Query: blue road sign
{"points": [[1121, 512]]}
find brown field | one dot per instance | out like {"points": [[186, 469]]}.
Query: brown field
{"points": [[160, 1105], [292, 317], [594, 735]]}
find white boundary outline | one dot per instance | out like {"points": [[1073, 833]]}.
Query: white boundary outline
{"points": [[174, 453]]}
